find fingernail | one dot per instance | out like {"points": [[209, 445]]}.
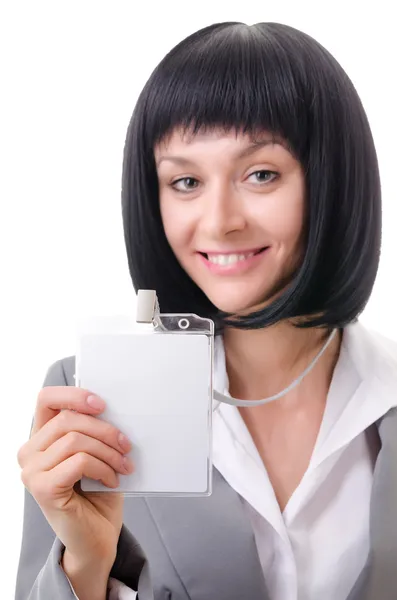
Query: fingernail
{"points": [[124, 442], [95, 402]]}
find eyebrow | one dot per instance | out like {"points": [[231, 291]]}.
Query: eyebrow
{"points": [[251, 149]]}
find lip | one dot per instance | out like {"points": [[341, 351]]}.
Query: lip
{"points": [[236, 268], [234, 251]]}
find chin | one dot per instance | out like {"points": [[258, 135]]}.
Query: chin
{"points": [[236, 303]]}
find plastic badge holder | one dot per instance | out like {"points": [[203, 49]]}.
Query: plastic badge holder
{"points": [[156, 379]]}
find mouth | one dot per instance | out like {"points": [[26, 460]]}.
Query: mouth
{"points": [[231, 258]]}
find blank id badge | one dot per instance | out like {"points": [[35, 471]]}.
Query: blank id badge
{"points": [[156, 380]]}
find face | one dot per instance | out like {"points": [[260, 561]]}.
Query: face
{"points": [[233, 214]]}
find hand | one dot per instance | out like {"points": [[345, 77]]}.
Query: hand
{"points": [[64, 446]]}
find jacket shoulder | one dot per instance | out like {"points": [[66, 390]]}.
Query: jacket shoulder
{"points": [[61, 372]]}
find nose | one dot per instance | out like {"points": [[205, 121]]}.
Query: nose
{"points": [[223, 211]]}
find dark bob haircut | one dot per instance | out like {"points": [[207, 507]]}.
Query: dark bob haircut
{"points": [[274, 78]]}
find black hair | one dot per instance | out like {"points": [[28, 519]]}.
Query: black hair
{"points": [[265, 77]]}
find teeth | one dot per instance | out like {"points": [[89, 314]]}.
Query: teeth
{"points": [[228, 259]]}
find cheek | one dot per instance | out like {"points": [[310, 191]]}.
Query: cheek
{"points": [[283, 218], [177, 226]]}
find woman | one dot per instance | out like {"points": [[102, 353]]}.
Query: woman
{"points": [[250, 195]]}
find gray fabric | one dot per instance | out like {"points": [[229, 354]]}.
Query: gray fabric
{"points": [[378, 580], [202, 548]]}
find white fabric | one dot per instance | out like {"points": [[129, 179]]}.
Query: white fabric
{"points": [[318, 546], [119, 591]]}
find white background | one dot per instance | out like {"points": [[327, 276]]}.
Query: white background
{"points": [[70, 75]]}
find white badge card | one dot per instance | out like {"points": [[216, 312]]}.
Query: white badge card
{"points": [[157, 385]]}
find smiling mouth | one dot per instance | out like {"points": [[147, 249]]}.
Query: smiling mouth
{"points": [[230, 259]]}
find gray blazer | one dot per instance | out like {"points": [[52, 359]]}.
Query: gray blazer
{"points": [[202, 548]]}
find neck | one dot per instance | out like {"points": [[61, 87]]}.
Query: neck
{"points": [[262, 362]]}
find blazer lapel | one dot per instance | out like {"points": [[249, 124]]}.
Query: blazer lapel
{"points": [[378, 580], [213, 548]]}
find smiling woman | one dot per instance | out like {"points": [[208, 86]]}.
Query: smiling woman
{"points": [[251, 195]]}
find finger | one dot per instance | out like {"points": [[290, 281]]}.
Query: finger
{"points": [[57, 484], [52, 399], [65, 475], [75, 443], [68, 421]]}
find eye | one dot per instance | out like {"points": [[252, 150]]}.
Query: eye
{"points": [[262, 176], [191, 184]]}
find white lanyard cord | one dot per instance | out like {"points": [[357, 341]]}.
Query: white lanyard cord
{"points": [[235, 402]]}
